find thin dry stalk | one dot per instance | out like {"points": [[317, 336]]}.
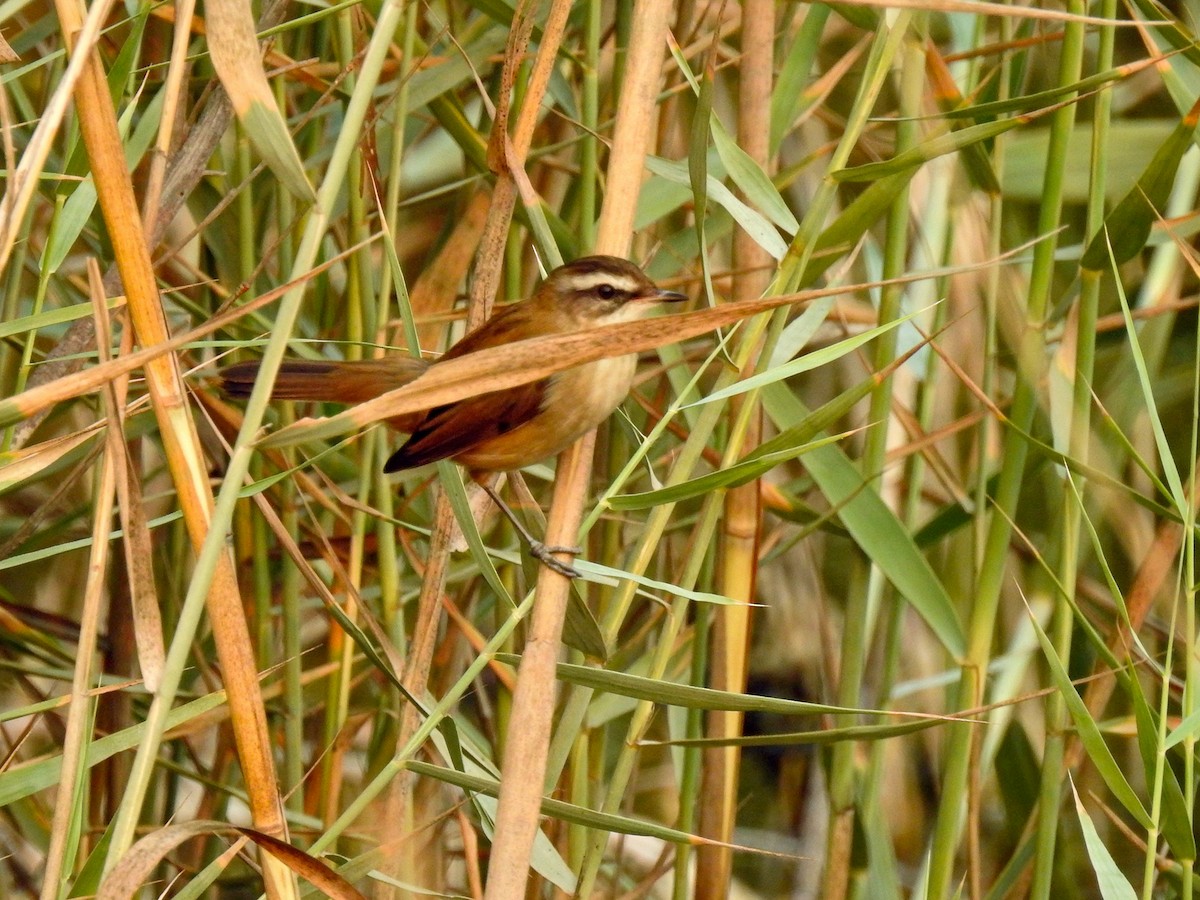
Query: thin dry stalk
{"points": [[533, 705], [742, 522], [505, 156], [524, 765], [171, 104], [79, 712], [505, 163]]}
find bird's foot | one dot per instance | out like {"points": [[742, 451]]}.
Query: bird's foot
{"points": [[544, 554]]}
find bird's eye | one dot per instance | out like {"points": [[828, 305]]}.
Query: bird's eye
{"points": [[606, 291]]}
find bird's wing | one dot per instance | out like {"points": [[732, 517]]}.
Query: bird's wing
{"points": [[521, 319], [450, 430]]}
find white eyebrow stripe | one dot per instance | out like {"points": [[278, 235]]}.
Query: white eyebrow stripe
{"points": [[619, 280]]}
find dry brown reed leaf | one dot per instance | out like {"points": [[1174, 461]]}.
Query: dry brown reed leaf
{"points": [[130, 875], [742, 523], [74, 741], [135, 542], [521, 362], [19, 466], [7, 54]]}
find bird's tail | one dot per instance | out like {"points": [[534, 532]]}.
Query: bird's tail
{"points": [[346, 382]]}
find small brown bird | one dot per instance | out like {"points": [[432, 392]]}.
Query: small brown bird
{"points": [[501, 430]]}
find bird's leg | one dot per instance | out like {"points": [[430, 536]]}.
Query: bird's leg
{"points": [[538, 550]]}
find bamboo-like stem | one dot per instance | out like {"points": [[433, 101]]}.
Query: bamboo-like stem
{"points": [[400, 808], [961, 744], [415, 678], [865, 592], [915, 389], [1078, 356], [634, 125], [359, 309], [742, 522], [524, 763], [590, 109], [504, 194], [184, 11]]}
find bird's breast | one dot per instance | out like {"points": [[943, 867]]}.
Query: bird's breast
{"points": [[583, 397]]}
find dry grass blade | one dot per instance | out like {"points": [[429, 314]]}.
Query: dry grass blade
{"points": [[234, 51], [81, 709], [127, 879]]}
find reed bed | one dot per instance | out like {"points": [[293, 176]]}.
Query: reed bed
{"points": [[888, 585]]}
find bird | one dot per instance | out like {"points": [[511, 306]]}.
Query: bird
{"points": [[497, 431]]}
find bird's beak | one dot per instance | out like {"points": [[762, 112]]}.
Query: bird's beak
{"points": [[664, 296]]}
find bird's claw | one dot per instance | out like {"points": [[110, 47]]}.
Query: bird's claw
{"points": [[545, 555]]}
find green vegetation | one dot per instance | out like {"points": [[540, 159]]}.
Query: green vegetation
{"points": [[888, 579]]}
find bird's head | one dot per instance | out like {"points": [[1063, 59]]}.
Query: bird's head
{"points": [[600, 290]]}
